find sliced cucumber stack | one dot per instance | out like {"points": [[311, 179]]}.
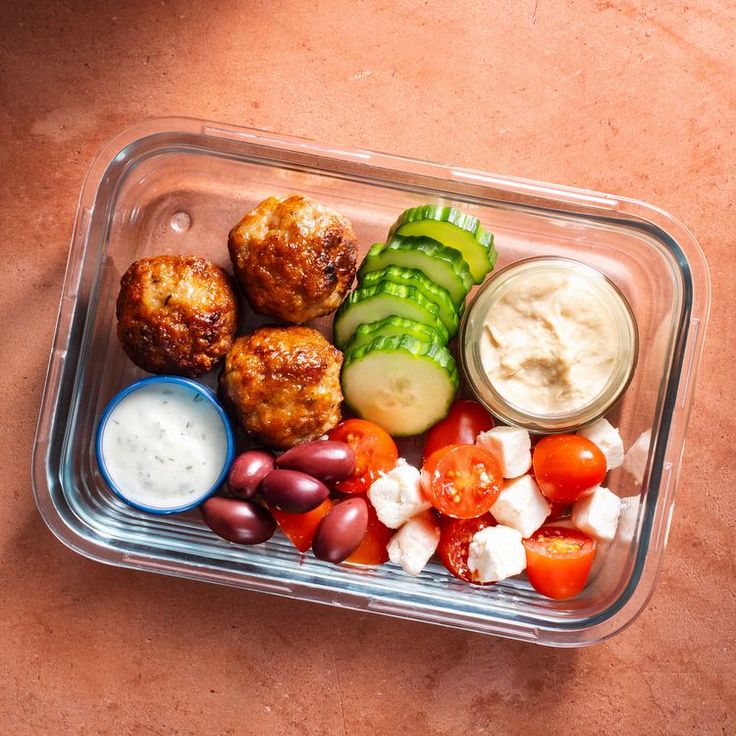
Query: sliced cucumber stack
{"points": [[429, 289], [454, 229], [393, 327], [403, 384], [383, 300], [445, 266]]}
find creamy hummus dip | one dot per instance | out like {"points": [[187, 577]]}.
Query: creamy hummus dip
{"points": [[549, 342]]}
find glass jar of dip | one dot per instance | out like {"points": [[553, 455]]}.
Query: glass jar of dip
{"points": [[548, 344]]}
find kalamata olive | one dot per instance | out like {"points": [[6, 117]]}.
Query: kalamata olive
{"points": [[247, 471], [292, 491], [328, 460], [341, 530], [236, 520]]}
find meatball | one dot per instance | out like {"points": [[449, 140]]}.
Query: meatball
{"points": [[283, 384], [295, 258], [176, 314]]}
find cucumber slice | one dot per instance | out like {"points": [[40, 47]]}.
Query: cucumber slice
{"points": [[383, 300], [393, 327], [453, 229], [445, 266], [402, 384], [412, 277]]}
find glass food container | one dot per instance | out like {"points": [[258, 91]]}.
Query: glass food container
{"points": [[178, 185]]}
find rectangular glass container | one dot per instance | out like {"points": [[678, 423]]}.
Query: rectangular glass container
{"points": [[178, 185]]}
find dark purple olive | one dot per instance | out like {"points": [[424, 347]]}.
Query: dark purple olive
{"points": [[327, 460], [292, 491], [341, 530], [247, 471], [244, 522]]}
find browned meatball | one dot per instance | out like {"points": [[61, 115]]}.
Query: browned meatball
{"points": [[176, 314], [295, 258], [283, 384]]}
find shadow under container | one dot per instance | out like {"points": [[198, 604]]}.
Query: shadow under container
{"points": [[178, 185]]}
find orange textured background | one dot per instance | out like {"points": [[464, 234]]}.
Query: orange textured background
{"points": [[604, 95]]}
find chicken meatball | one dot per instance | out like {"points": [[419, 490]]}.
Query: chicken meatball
{"points": [[176, 314], [295, 258], [283, 384]]}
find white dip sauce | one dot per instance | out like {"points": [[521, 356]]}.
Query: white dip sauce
{"points": [[163, 445], [549, 343]]}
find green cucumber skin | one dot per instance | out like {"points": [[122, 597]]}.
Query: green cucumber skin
{"points": [[429, 214], [438, 213], [415, 278], [392, 326], [381, 255], [436, 351], [393, 291], [486, 237], [438, 354]]}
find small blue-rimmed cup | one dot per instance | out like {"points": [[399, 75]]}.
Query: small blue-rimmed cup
{"points": [[195, 388]]}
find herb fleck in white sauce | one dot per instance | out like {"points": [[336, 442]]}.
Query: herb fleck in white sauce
{"points": [[163, 444]]}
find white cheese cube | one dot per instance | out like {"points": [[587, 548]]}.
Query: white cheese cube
{"points": [[635, 460], [521, 506], [597, 513], [628, 518], [511, 446], [413, 545], [397, 495], [603, 434], [496, 553]]}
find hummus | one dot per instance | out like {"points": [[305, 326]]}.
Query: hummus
{"points": [[549, 343]]}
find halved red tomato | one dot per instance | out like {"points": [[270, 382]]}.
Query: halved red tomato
{"points": [[462, 481], [455, 538], [372, 550], [301, 528], [558, 561], [466, 420], [566, 465], [375, 452]]}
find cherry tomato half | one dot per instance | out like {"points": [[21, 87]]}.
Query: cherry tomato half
{"points": [[558, 561], [375, 452], [462, 481], [565, 466], [466, 420], [300, 528], [372, 550], [455, 538]]}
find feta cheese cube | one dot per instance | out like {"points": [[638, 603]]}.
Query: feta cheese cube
{"points": [[628, 518], [511, 446], [413, 545], [496, 553], [521, 506], [597, 513], [397, 495], [603, 434], [635, 460]]}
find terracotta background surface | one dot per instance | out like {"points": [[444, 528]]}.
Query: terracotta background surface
{"points": [[631, 98]]}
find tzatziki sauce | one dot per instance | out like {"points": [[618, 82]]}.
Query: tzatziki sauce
{"points": [[164, 445]]}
